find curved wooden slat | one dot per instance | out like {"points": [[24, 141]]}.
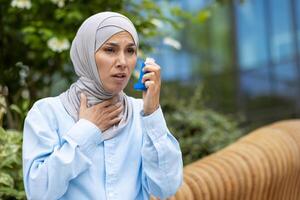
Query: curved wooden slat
{"points": [[263, 165]]}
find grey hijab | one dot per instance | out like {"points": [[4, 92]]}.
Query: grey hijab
{"points": [[91, 35]]}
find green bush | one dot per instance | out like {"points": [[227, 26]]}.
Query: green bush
{"points": [[11, 181], [200, 130]]}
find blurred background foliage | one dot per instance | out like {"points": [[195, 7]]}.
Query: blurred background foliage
{"points": [[199, 129], [11, 179], [35, 38]]}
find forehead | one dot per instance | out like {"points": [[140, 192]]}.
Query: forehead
{"points": [[123, 36]]}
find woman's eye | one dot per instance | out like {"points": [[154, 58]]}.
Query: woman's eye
{"points": [[131, 50], [109, 50]]}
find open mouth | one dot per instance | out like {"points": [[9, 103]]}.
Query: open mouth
{"points": [[119, 76]]}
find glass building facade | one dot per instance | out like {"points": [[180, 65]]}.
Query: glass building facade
{"points": [[255, 45], [267, 38]]}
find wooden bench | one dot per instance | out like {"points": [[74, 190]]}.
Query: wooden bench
{"points": [[263, 165]]}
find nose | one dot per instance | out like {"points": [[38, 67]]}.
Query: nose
{"points": [[121, 61]]}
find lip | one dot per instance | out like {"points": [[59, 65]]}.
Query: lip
{"points": [[119, 76]]}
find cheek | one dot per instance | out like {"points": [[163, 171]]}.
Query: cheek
{"points": [[103, 66], [101, 72]]}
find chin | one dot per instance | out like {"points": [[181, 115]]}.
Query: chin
{"points": [[116, 90]]}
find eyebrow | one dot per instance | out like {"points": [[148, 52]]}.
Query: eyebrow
{"points": [[116, 44]]}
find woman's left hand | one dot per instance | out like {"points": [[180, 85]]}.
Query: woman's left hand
{"points": [[152, 82]]}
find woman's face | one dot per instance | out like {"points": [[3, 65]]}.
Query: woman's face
{"points": [[115, 60]]}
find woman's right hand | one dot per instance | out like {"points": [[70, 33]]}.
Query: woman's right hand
{"points": [[104, 115]]}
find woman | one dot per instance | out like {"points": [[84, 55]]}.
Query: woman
{"points": [[93, 141]]}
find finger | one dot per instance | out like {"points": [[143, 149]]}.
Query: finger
{"points": [[116, 112], [83, 101], [148, 76], [152, 68], [149, 84], [115, 121]]}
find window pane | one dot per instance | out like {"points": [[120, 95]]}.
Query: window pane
{"points": [[286, 76], [251, 34], [298, 21], [282, 39]]}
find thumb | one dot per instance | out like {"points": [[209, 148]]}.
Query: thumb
{"points": [[83, 101]]}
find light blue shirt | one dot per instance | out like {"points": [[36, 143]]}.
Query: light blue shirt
{"points": [[67, 160]]}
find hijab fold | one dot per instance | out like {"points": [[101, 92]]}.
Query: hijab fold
{"points": [[92, 34]]}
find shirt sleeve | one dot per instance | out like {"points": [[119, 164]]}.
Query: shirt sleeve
{"points": [[161, 157], [50, 162]]}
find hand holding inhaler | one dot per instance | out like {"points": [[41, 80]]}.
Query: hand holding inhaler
{"points": [[149, 82]]}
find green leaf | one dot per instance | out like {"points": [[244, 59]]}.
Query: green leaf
{"points": [[29, 30], [6, 180], [15, 108]]}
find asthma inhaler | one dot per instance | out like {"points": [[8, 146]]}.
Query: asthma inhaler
{"points": [[140, 85]]}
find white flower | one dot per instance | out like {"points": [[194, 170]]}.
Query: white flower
{"points": [[158, 23], [58, 45], [23, 4], [172, 42], [59, 3]]}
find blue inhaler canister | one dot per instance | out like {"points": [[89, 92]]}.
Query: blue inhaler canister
{"points": [[140, 85]]}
